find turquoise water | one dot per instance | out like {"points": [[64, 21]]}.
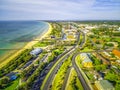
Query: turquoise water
{"points": [[15, 34]]}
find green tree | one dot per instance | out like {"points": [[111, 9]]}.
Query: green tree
{"points": [[22, 87], [117, 86], [111, 77], [98, 67], [4, 81]]}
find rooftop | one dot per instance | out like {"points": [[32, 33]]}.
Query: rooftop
{"points": [[36, 51], [105, 85], [86, 57]]}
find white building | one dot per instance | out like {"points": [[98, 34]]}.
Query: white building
{"points": [[36, 51]]}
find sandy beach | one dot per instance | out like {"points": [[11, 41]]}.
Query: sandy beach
{"points": [[27, 46]]}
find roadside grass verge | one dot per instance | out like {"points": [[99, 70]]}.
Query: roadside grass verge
{"points": [[59, 78], [73, 82]]}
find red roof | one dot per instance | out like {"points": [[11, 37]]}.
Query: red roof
{"points": [[116, 52]]}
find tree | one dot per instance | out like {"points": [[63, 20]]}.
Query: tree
{"points": [[22, 87], [103, 67], [111, 77], [98, 67], [117, 86], [4, 81]]}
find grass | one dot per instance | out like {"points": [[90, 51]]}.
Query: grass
{"points": [[73, 78], [117, 39], [90, 76], [13, 85], [59, 78], [86, 49], [78, 60], [41, 44]]}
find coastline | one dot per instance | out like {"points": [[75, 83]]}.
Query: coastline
{"points": [[28, 45]]}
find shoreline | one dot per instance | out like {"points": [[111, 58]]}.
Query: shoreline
{"points": [[28, 45]]}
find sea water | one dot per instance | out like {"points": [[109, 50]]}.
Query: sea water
{"points": [[15, 34]]}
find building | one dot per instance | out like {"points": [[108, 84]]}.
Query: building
{"points": [[116, 52], [86, 61], [12, 75], [36, 51], [104, 85], [64, 37]]}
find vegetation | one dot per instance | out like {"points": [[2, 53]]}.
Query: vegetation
{"points": [[44, 43], [59, 78], [54, 54], [95, 60], [56, 30], [12, 85], [4, 81], [28, 84], [13, 64], [114, 78], [102, 36], [27, 72], [78, 60], [73, 82]]}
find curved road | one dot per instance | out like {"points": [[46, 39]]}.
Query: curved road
{"points": [[80, 76], [48, 83]]}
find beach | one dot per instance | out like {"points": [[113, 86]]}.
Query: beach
{"points": [[27, 46]]}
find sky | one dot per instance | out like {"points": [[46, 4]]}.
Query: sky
{"points": [[59, 9]]}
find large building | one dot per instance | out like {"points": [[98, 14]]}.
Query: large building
{"points": [[86, 61], [36, 51], [104, 85]]}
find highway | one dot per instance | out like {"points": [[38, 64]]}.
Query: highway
{"points": [[61, 59], [79, 74], [40, 78], [66, 79], [37, 84], [48, 83], [83, 41]]}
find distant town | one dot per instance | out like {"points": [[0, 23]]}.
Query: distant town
{"points": [[73, 56]]}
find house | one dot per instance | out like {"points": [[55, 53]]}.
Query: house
{"points": [[52, 36], [116, 53], [12, 75], [104, 85], [64, 37], [36, 51], [86, 61]]}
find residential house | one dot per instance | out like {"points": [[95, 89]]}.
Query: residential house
{"points": [[116, 53]]}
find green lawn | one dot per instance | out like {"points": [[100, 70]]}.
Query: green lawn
{"points": [[117, 39], [78, 60], [86, 49], [13, 85], [73, 82], [41, 44]]}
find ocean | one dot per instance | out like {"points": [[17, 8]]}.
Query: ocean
{"points": [[16, 34]]}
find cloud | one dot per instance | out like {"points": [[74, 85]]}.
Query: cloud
{"points": [[59, 9]]}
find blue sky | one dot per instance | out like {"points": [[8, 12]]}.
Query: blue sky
{"points": [[59, 9]]}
